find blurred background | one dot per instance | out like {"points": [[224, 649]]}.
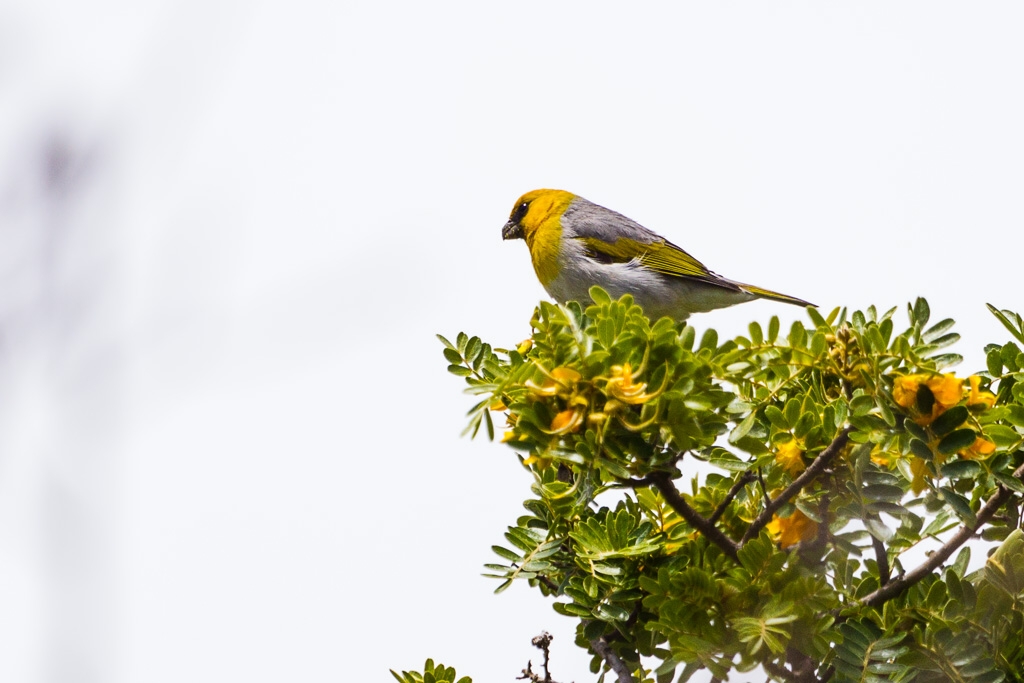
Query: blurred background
{"points": [[229, 230]]}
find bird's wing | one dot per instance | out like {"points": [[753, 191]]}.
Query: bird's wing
{"points": [[658, 255], [610, 237]]}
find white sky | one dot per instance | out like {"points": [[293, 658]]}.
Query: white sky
{"points": [[228, 444]]}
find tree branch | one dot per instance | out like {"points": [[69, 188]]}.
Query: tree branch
{"points": [[601, 647], [808, 475], [745, 479], [664, 484], [638, 483], [552, 586], [543, 642], [894, 588]]}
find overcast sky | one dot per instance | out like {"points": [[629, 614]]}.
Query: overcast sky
{"points": [[229, 449]]}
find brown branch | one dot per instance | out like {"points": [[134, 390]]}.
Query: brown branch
{"points": [[664, 484], [745, 479], [541, 642], [621, 669], [894, 588], [552, 586], [530, 675], [638, 483], [808, 475]]}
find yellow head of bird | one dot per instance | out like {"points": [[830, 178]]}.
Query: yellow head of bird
{"points": [[534, 211], [537, 218]]}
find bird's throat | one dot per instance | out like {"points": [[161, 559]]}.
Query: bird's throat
{"points": [[545, 243]]}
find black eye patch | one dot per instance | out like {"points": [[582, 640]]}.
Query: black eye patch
{"points": [[520, 212]]}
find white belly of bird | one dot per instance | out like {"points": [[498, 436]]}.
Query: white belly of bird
{"points": [[659, 295]]}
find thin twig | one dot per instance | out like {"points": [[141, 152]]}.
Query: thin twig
{"points": [[745, 479], [894, 588], [638, 483], [621, 669], [664, 484], [530, 675], [543, 641], [552, 586], [760, 480], [808, 475]]}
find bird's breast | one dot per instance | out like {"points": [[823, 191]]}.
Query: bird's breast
{"points": [[545, 244]]}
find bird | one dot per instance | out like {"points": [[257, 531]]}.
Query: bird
{"points": [[575, 244]]}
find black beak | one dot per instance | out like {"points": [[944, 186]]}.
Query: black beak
{"points": [[512, 231]]}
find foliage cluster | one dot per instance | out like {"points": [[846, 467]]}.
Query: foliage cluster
{"points": [[832, 455]]}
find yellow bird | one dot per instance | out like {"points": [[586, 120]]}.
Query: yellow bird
{"points": [[575, 244]]}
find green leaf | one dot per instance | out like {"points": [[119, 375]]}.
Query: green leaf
{"points": [[950, 420], [883, 492], [937, 330], [921, 449], [1001, 435], [958, 503], [955, 441], [921, 312], [570, 609], [609, 612], [756, 333], [1012, 483], [777, 418], [709, 340], [958, 469], [460, 370], [1010, 320], [816, 318], [505, 553], [994, 363], [599, 296], [743, 428], [862, 405]]}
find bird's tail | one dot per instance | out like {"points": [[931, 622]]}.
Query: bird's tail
{"points": [[775, 296]]}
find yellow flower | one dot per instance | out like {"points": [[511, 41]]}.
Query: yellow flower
{"points": [[979, 450], [919, 468], [559, 381], [789, 531], [565, 376], [984, 399], [566, 421], [623, 386], [946, 391], [791, 457], [882, 458], [904, 390], [524, 347]]}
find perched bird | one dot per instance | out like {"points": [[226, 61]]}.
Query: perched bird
{"points": [[576, 244]]}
